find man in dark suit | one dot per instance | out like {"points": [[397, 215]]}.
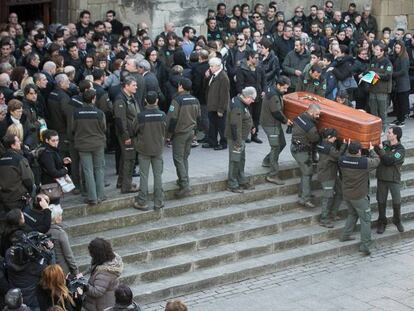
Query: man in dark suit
{"points": [[217, 87]]}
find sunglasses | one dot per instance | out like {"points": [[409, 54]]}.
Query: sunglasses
{"points": [[256, 17], [238, 39]]}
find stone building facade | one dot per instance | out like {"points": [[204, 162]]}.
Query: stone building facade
{"points": [[183, 12]]}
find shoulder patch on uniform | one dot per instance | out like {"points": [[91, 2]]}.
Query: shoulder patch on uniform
{"points": [[305, 81], [171, 109], [397, 155], [389, 68], [324, 86]]}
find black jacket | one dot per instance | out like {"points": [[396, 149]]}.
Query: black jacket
{"points": [[26, 277], [38, 220], [282, 47], [400, 76], [51, 164], [198, 75], [271, 68], [246, 77], [343, 67]]}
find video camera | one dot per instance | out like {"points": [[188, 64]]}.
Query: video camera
{"points": [[76, 283], [31, 247]]}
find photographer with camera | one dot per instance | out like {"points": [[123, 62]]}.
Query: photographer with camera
{"points": [[15, 227], [38, 217], [25, 260], [106, 268], [63, 251], [52, 290]]}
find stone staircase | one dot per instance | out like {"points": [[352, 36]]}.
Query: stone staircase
{"points": [[216, 237]]}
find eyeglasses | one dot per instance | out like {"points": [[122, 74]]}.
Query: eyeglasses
{"points": [[298, 11], [240, 39], [255, 16]]}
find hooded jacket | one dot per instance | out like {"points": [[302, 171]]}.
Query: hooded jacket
{"points": [[102, 284]]}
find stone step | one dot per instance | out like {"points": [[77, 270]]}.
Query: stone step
{"points": [[205, 187], [308, 232], [165, 228], [88, 225], [251, 267]]}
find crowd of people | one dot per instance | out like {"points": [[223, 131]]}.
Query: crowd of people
{"points": [[71, 93]]}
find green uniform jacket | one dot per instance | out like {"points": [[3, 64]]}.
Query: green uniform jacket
{"points": [[126, 110], [89, 127], [383, 68], [272, 109], [150, 126], [328, 160], [307, 84], [68, 110], [183, 114], [355, 174], [57, 121], [392, 158], [239, 121], [304, 131], [16, 176]]}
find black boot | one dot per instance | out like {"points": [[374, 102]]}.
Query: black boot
{"points": [[382, 218], [396, 219]]}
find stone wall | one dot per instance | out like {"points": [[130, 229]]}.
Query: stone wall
{"points": [[193, 12], [394, 13]]}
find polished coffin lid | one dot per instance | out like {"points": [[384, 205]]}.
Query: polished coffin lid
{"points": [[349, 122]]}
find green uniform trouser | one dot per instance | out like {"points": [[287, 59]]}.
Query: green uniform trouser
{"points": [[304, 160], [331, 198], [126, 166], [382, 194], [382, 191], [359, 208], [274, 137], [157, 167], [237, 161], [378, 104], [74, 165], [181, 147], [93, 166]]}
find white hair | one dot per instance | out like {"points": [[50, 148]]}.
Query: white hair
{"points": [[249, 91], [56, 211], [4, 79], [69, 69], [214, 61], [49, 66], [60, 78]]}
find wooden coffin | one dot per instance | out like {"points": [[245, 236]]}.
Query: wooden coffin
{"points": [[349, 122]]}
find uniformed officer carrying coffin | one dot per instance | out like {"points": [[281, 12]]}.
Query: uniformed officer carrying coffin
{"points": [[238, 126], [304, 136], [271, 118], [392, 154], [355, 188], [328, 175]]}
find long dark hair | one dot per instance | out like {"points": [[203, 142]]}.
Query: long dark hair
{"points": [[403, 53], [100, 251]]}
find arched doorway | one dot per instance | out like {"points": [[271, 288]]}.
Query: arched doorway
{"points": [[48, 11]]}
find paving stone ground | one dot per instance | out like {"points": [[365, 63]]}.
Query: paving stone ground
{"points": [[383, 281]]}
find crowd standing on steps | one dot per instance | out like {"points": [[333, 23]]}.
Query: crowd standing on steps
{"points": [[71, 93]]}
